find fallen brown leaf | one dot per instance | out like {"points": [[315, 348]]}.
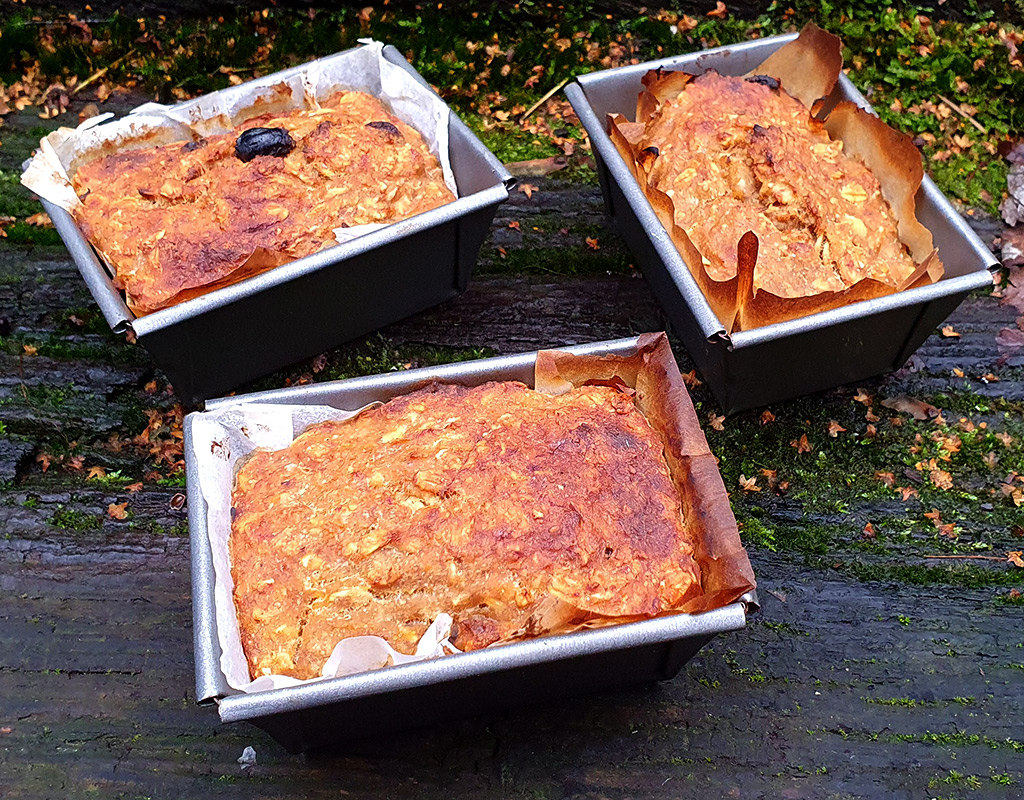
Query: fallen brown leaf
{"points": [[1015, 558], [514, 225], [592, 243], [863, 397], [40, 220], [719, 11], [869, 531], [948, 530], [690, 379], [537, 167], [767, 417], [888, 478], [528, 189], [1005, 438], [95, 471], [118, 510], [715, 421], [132, 488], [319, 363], [918, 409], [29, 349], [44, 459], [749, 484], [906, 492], [834, 429], [802, 444], [949, 333]]}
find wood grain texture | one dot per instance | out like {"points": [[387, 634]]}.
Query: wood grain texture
{"points": [[96, 664]]}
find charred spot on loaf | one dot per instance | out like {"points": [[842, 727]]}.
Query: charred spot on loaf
{"points": [[198, 144], [759, 134], [263, 142], [385, 127], [765, 80]]}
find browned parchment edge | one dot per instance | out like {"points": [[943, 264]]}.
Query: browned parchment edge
{"points": [[808, 69], [660, 395]]}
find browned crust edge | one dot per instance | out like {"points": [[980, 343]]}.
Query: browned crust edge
{"points": [[651, 371]]}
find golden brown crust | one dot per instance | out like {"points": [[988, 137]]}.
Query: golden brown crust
{"points": [[179, 220], [720, 157], [505, 507], [738, 156]]}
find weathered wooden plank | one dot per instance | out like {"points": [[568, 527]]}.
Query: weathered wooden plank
{"points": [[96, 671]]}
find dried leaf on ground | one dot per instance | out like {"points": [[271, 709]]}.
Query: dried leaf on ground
{"points": [[95, 471], [719, 11], [869, 531], [118, 510], [40, 220], [749, 484], [918, 409], [767, 417], [949, 333], [802, 444], [1015, 558], [528, 189], [716, 421], [941, 479], [834, 429], [690, 379], [537, 167], [888, 478]]}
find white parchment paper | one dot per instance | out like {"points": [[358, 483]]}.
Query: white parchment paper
{"points": [[364, 69], [222, 439]]}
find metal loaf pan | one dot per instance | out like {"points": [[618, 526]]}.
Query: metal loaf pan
{"points": [[756, 367], [211, 344], [454, 686]]}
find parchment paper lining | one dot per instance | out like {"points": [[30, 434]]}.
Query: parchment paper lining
{"points": [[808, 68], [365, 69], [222, 439]]}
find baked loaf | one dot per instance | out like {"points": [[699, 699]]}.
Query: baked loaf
{"points": [[514, 511], [738, 155], [179, 220]]}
